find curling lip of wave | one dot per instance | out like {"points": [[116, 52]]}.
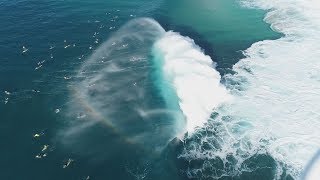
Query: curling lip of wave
{"points": [[193, 77], [276, 92]]}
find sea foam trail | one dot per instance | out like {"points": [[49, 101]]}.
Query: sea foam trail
{"points": [[276, 91], [193, 77]]}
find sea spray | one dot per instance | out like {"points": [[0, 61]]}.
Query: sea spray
{"points": [[144, 85], [115, 90]]}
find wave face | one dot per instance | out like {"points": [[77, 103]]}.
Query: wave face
{"points": [[275, 111]]}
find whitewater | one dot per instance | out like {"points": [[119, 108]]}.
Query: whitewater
{"points": [[276, 95]]}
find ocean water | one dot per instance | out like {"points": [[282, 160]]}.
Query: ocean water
{"points": [[158, 89]]}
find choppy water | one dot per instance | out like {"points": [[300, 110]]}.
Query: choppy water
{"points": [[158, 89]]}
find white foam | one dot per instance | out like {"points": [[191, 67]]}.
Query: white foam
{"points": [[193, 76], [283, 87], [277, 94]]}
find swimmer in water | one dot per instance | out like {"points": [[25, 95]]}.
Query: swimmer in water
{"points": [[24, 49]]}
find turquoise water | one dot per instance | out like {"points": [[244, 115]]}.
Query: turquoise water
{"points": [[102, 94], [224, 26]]}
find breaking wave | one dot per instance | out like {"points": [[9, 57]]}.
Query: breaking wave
{"points": [[150, 86], [145, 85]]}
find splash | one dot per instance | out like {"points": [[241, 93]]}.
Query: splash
{"points": [[145, 85]]}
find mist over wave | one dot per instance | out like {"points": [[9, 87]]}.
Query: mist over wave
{"points": [[144, 85], [114, 91]]}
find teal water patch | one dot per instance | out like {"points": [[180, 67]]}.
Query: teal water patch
{"points": [[226, 26]]}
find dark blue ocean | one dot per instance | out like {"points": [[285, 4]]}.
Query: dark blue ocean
{"points": [[121, 90]]}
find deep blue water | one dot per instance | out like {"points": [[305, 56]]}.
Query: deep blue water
{"points": [[36, 94]]}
